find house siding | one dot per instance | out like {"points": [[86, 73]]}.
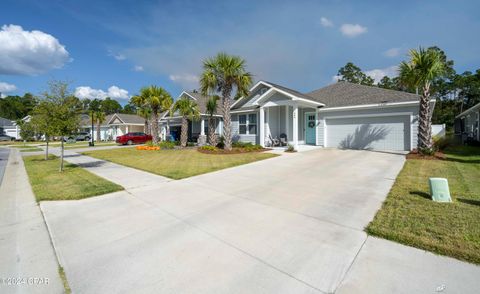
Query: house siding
{"points": [[322, 116]]}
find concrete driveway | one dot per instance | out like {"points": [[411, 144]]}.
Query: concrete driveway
{"points": [[291, 224]]}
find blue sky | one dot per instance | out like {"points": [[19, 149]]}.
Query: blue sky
{"points": [[124, 45]]}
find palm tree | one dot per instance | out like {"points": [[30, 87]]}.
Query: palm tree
{"points": [[223, 74], [423, 67], [146, 114], [99, 118], [211, 111], [188, 109], [157, 100]]}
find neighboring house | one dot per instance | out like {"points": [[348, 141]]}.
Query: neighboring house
{"points": [[114, 125], [171, 124], [10, 127], [467, 124], [341, 115]]}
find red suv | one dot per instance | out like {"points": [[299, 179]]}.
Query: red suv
{"points": [[133, 138]]}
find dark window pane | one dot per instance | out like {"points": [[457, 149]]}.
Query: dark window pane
{"points": [[252, 129], [242, 119], [243, 129], [252, 118]]}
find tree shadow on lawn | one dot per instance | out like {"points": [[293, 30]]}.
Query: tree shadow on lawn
{"points": [[421, 194], [469, 201], [462, 160]]}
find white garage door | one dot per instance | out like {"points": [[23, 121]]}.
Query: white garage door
{"points": [[376, 133]]}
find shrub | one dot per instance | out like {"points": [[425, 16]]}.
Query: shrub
{"points": [[440, 143], [208, 148], [290, 148], [251, 147], [427, 151], [241, 144], [191, 144], [149, 143], [221, 144], [166, 145]]}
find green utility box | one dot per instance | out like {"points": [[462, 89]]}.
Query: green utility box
{"points": [[439, 190]]}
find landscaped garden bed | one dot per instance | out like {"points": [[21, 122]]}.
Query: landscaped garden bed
{"points": [[236, 149], [409, 216]]}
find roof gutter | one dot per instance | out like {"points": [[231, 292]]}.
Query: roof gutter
{"points": [[377, 105]]}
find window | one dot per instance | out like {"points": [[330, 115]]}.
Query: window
{"points": [[242, 121], [247, 124], [252, 124]]}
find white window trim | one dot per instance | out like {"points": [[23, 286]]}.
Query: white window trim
{"points": [[247, 124]]}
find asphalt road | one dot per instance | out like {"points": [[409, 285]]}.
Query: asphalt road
{"points": [[4, 152]]}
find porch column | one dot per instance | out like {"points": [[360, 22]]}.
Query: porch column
{"points": [[295, 127], [287, 123], [126, 130], [202, 127], [262, 126]]}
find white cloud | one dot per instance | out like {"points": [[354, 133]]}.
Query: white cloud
{"points": [[5, 87], [392, 52], [326, 22], [138, 68], [113, 92], [117, 56], [187, 80], [378, 73], [352, 30], [29, 52]]}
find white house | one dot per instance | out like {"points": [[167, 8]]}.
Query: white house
{"points": [[341, 115], [467, 124], [114, 125]]}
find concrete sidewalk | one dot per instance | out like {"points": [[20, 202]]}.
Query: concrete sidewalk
{"points": [[25, 246], [127, 177]]}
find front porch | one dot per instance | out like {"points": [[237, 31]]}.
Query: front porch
{"points": [[289, 124]]}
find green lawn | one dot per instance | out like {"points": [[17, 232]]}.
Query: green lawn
{"points": [[409, 216], [30, 149], [176, 164], [74, 183]]}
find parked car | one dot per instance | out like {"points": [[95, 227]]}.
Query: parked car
{"points": [[6, 138], [82, 136], [133, 138]]}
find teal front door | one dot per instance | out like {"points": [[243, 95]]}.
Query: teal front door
{"points": [[310, 134]]}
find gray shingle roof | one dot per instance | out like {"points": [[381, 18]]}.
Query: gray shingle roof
{"points": [[5, 122], [131, 118], [202, 103], [349, 94], [290, 91]]}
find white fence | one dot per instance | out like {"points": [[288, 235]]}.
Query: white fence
{"points": [[438, 130]]}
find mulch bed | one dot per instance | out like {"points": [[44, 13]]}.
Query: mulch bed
{"points": [[415, 155], [233, 151]]}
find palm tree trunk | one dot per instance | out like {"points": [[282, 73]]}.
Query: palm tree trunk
{"points": [[184, 132], [98, 131], [211, 131], [155, 127], [227, 120], [46, 149], [145, 127], [424, 121], [61, 156]]}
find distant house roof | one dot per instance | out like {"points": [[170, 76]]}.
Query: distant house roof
{"points": [[85, 120], [128, 119], [348, 94], [132, 119], [6, 122], [471, 109], [201, 101]]}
